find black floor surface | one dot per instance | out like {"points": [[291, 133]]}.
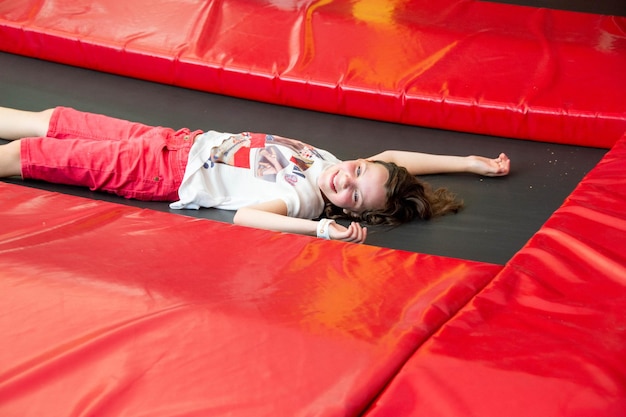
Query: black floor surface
{"points": [[606, 7], [501, 214]]}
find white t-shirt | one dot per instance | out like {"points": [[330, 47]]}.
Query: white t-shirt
{"points": [[231, 171]]}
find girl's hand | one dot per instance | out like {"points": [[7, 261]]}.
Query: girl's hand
{"points": [[354, 233], [495, 167]]}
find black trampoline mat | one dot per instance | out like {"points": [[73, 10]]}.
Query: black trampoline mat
{"points": [[501, 214], [606, 7]]}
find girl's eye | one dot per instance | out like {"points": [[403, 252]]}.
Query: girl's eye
{"points": [[358, 174]]}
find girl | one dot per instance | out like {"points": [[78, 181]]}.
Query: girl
{"points": [[272, 182]]}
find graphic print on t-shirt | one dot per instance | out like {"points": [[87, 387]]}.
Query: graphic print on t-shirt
{"points": [[268, 160]]}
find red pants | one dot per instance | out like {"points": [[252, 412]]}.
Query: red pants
{"points": [[107, 154]]}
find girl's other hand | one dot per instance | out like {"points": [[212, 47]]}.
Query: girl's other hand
{"points": [[489, 167]]}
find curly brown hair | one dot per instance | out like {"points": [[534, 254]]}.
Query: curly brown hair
{"points": [[408, 198]]}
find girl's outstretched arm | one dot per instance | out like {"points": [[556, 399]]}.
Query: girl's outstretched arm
{"points": [[418, 163], [272, 215]]}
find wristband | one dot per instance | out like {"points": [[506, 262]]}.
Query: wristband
{"points": [[323, 228]]}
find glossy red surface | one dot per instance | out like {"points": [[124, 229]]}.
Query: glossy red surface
{"points": [[548, 336], [110, 310], [473, 66]]}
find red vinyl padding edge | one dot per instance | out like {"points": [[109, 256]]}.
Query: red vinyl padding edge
{"points": [[110, 310], [548, 336], [465, 65]]}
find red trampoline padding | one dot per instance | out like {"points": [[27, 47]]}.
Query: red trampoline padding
{"points": [[548, 336], [109, 310], [474, 66]]}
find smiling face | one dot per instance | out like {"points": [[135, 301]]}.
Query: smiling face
{"points": [[355, 186]]}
